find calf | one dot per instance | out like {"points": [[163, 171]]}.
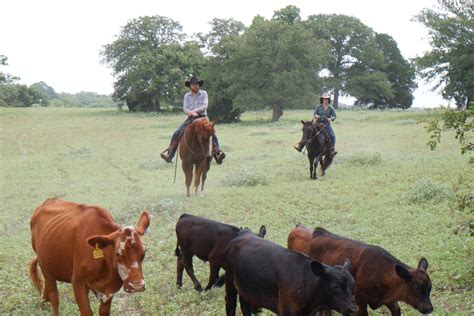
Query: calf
{"points": [[381, 279], [299, 239], [206, 239], [82, 245], [266, 275]]}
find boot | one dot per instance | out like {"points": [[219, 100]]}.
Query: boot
{"points": [[333, 151], [219, 155], [168, 154], [299, 146]]}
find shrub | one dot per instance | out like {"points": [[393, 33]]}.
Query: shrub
{"points": [[244, 178], [364, 159], [425, 190]]}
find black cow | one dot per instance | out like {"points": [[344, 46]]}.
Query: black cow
{"points": [[266, 275], [206, 239]]}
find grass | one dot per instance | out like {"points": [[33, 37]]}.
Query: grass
{"points": [[111, 158]]}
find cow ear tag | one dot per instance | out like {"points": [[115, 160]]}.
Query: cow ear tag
{"points": [[97, 253]]}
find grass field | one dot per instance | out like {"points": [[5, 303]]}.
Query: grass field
{"points": [[386, 188]]}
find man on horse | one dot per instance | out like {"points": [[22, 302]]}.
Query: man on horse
{"points": [[195, 106], [323, 114]]}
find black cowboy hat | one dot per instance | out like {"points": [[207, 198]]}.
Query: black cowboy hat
{"points": [[194, 79]]}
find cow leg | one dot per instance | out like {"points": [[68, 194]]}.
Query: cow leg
{"points": [[179, 274], [245, 307], [362, 309], [188, 264], [230, 295], [51, 293], [104, 309], [214, 273], [394, 309], [82, 298]]}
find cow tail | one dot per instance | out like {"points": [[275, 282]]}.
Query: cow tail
{"points": [[35, 277], [177, 252]]}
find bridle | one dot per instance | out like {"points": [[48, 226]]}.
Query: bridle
{"points": [[198, 153]]}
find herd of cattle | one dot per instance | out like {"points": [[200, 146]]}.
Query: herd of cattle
{"points": [[319, 272]]}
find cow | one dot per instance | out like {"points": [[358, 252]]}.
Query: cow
{"points": [[267, 275], [84, 246], [206, 239], [381, 279]]}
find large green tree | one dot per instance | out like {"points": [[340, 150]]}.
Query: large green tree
{"points": [[354, 56], [220, 43], [450, 63], [276, 65], [151, 59]]}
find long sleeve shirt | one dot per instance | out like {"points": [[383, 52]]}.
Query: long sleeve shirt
{"points": [[196, 103], [323, 115]]}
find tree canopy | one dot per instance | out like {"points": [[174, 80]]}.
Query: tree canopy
{"points": [[450, 63]]}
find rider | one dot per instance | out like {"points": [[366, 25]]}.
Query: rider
{"points": [[194, 105], [323, 114]]}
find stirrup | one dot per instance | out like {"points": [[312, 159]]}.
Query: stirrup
{"points": [[298, 147], [166, 156]]}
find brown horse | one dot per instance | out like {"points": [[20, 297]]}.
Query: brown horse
{"points": [[195, 150]]}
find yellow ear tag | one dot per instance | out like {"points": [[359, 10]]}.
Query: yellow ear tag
{"points": [[97, 253]]}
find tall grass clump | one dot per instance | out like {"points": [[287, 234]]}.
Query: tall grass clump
{"points": [[244, 178], [427, 190], [364, 159]]}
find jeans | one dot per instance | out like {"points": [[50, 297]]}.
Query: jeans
{"points": [[331, 133]]}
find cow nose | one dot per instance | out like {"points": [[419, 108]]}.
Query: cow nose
{"points": [[352, 310], [137, 286], [427, 310]]}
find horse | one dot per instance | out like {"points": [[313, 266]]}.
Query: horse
{"points": [[195, 151], [318, 143]]}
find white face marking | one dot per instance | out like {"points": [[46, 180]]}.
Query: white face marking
{"points": [[104, 297], [210, 147], [134, 265], [123, 271]]}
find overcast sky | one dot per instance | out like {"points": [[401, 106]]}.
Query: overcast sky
{"points": [[58, 41]]}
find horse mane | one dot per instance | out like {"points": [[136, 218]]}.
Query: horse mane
{"points": [[202, 124]]}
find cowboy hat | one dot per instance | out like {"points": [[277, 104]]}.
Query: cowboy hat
{"points": [[194, 79], [325, 95]]}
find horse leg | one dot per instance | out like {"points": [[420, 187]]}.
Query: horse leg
{"points": [[315, 168], [188, 172], [310, 166], [197, 177], [323, 166], [204, 173]]}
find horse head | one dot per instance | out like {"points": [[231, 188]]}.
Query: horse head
{"points": [[309, 129], [204, 133]]}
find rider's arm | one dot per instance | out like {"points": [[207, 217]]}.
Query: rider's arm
{"points": [[317, 113], [333, 114], [203, 103]]}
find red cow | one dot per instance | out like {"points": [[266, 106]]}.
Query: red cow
{"points": [[381, 279], [82, 245]]}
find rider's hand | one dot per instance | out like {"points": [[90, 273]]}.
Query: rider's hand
{"points": [[316, 117], [192, 113]]}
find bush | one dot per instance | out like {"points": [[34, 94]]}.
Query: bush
{"points": [[426, 190], [244, 178], [364, 159]]}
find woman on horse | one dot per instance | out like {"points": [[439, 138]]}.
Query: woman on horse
{"points": [[323, 114], [195, 106]]}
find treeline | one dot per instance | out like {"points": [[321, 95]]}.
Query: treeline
{"points": [[40, 94], [281, 63]]}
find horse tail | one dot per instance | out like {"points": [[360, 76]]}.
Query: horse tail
{"points": [[35, 277]]}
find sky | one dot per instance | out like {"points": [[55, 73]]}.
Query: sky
{"points": [[59, 42]]}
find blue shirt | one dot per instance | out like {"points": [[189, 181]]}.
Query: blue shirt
{"points": [[323, 115], [196, 103]]}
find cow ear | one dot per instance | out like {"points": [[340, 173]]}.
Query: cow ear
{"points": [[143, 223], [402, 272], [347, 264], [102, 241], [263, 231], [317, 268], [302, 122], [423, 264]]}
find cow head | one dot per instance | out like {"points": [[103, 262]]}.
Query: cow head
{"points": [[337, 285], [261, 232], [129, 252], [417, 286]]}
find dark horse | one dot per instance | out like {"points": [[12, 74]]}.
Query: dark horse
{"points": [[195, 150], [318, 144]]}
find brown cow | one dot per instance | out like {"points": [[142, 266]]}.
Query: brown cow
{"points": [[381, 279], [82, 245], [206, 239], [300, 238]]}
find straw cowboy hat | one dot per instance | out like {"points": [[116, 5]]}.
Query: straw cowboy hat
{"points": [[325, 96], [194, 79]]}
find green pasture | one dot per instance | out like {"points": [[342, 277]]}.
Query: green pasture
{"points": [[386, 188]]}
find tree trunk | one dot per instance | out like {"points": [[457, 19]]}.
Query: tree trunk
{"points": [[277, 112], [335, 103]]}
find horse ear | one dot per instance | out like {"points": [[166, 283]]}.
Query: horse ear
{"points": [[213, 123], [302, 122]]}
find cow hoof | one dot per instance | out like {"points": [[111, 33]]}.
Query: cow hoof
{"points": [[198, 288]]}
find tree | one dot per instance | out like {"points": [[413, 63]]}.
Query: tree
{"points": [[4, 77], [450, 63], [151, 59], [354, 56], [45, 89], [276, 65], [221, 43]]}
